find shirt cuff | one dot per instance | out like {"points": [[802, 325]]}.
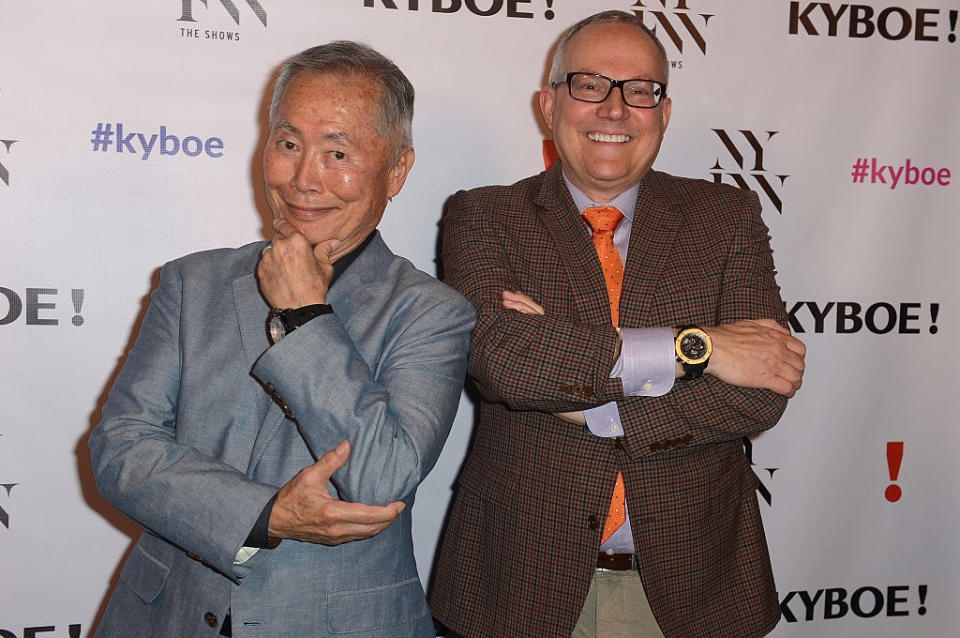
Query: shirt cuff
{"points": [[604, 420], [259, 536], [648, 362]]}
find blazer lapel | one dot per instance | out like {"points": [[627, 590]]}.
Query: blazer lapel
{"points": [[252, 312], [655, 222], [572, 242]]}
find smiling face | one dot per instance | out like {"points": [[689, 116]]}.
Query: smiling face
{"points": [[607, 147], [327, 171]]}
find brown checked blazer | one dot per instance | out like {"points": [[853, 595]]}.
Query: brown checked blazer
{"points": [[521, 544]]}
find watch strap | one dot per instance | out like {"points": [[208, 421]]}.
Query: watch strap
{"points": [[293, 318]]}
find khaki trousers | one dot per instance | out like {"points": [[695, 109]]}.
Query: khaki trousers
{"points": [[616, 607]]}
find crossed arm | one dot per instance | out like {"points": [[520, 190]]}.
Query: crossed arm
{"points": [[527, 356]]}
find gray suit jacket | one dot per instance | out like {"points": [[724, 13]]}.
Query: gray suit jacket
{"points": [[193, 442]]}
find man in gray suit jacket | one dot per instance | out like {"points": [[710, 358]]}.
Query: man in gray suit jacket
{"points": [[284, 399]]}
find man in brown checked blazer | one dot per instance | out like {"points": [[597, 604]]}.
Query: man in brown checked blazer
{"points": [[572, 401]]}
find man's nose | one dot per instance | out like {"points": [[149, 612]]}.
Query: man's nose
{"points": [[614, 105], [308, 174]]}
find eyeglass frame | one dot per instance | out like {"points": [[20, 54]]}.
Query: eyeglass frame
{"points": [[613, 84]]}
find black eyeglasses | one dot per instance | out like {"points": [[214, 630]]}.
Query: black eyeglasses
{"points": [[593, 87]]}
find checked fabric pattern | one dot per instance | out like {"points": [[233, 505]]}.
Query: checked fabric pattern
{"points": [[604, 221], [534, 490]]}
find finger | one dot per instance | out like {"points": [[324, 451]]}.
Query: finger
{"points": [[530, 303], [284, 228], [797, 346], [773, 325], [360, 514], [323, 251], [330, 462], [522, 303]]}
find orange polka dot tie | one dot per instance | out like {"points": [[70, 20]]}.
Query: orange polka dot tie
{"points": [[604, 220]]}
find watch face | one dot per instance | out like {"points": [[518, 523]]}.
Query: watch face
{"points": [[275, 326], [693, 346]]}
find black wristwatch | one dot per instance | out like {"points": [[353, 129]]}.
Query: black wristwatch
{"points": [[694, 347], [283, 321]]}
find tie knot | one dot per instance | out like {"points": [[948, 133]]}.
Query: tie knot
{"points": [[603, 218]]}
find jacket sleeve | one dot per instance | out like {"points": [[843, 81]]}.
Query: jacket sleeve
{"points": [[395, 406], [527, 362], [197, 502], [708, 410]]}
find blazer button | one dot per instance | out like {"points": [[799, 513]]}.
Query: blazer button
{"points": [[210, 619], [593, 522]]}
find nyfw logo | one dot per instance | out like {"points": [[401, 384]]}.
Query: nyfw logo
{"points": [[765, 483], [743, 165], [187, 6], [674, 22], [4, 516], [4, 171], [230, 7], [865, 21]]}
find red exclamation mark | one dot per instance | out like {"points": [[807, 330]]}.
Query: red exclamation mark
{"points": [[548, 14], [894, 458]]}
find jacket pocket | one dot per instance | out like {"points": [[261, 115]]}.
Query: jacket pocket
{"points": [[365, 610], [144, 574]]}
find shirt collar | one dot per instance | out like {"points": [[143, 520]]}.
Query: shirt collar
{"points": [[625, 202]]}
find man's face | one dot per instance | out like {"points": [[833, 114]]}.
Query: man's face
{"points": [[327, 170], [607, 147]]}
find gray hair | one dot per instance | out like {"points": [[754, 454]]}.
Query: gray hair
{"points": [[352, 58], [604, 17]]}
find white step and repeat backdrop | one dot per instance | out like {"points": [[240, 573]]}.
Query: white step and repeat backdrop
{"points": [[130, 134]]}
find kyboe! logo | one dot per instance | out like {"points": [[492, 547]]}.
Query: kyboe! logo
{"points": [[865, 21], [749, 172]]}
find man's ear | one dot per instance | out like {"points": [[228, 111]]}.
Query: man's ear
{"points": [[546, 99], [399, 171]]}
